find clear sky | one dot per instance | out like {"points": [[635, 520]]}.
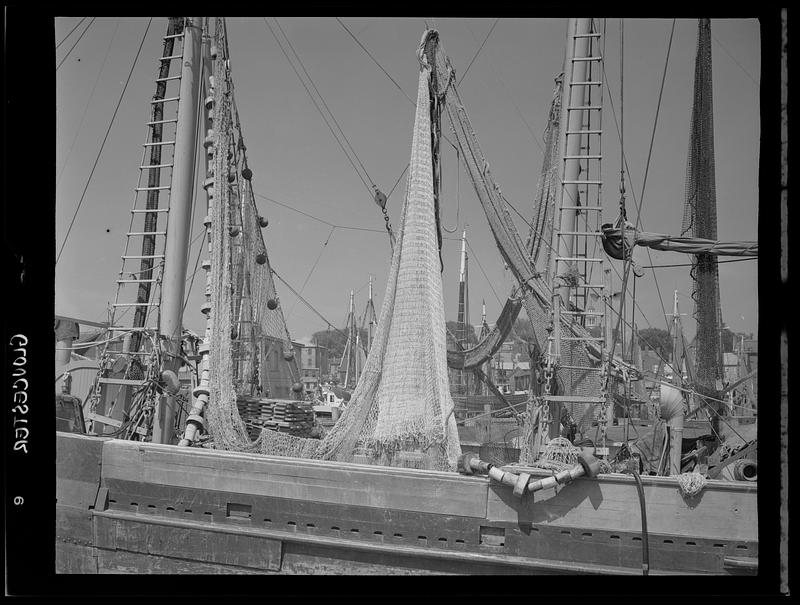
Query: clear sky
{"points": [[296, 160]]}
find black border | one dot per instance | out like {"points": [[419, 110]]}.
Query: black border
{"points": [[29, 238]]}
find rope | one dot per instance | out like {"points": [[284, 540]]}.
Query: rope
{"points": [[479, 49], [364, 48], [308, 304], [105, 138], [76, 43], [313, 99], [316, 218], [719, 262], [314, 266], [86, 106], [497, 75], [70, 32], [734, 59], [691, 484]]}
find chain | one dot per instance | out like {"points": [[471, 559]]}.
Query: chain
{"points": [[602, 421], [545, 418]]}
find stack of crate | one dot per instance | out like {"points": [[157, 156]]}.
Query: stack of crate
{"points": [[256, 413], [293, 417]]}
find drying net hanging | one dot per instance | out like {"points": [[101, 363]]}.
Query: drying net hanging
{"points": [[401, 412], [700, 216]]}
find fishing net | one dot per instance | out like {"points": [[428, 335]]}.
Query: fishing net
{"points": [[691, 484], [700, 216], [541, 229], [401, 412], [516, 254], [248, 339]]}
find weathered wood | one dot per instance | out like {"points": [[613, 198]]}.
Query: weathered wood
{"points": [[356, 527], [168, 509], [416, 556], [78, 460], [725, 510], [357, 484], [189, 540], [121, 561], [74, 558], [74, 541]]}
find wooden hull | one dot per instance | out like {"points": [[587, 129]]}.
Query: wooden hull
{"points": [[130, 507]]}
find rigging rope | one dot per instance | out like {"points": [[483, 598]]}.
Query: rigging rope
{"points": [[374, 60], [335, 121], [105, 138], [87, 104], [316, 104], [475, 56], [70, 32], [76, 43]]}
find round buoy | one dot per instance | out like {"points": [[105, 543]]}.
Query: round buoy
{"points": [[297, 387], [234, 231], [247, 173], [263, 221], [288, 355], [170, 382], [272, 304], [261, 258]]}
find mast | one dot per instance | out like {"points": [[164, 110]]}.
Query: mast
{"points": [[575, 70], [177, 237], [194, 422], [350, 354], [700, 220], [463, 310], [369, 312], [487, 366]]}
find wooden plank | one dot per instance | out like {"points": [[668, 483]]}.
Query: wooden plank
{"points": [[121, 561], [74, 526], [82, 322], [74, 558], [611, 504], [324, 481], [78, 460], [463, 559], [224, 548]]}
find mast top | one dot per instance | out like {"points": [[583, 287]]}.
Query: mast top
{"points": [[463, 255]]}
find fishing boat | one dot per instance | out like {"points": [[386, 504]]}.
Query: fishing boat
{"points": [[172, 480]]}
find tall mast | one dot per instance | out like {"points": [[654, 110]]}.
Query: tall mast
{"points": [[369, 319], [350, 353], [177, 237], [463, 309], [487, 366], [700, 220], [575, 93]]}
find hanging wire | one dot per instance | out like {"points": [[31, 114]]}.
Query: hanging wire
{"points": [[369, 54], [70, 32], [314, 266], [86, 105], [475, 56], [105, 138], [497, 74], [76, 43], [305, 71]]}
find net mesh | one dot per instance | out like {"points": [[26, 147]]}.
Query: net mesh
{"points": [[516, 255], [700, 216], [541, 229], [401, 412]]}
